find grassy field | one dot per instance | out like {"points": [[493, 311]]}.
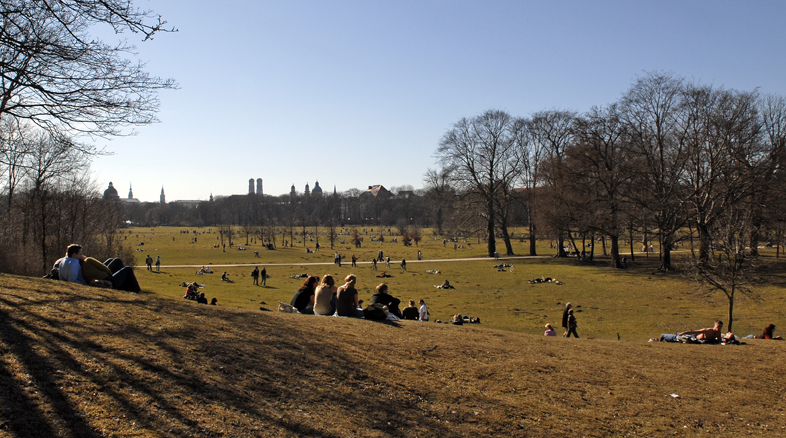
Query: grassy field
{"points": [[86, 362], [637, 303]]}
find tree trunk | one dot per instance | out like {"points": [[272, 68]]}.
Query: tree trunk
{"points": [[592, 248], [731, 307], [506, 238], [561, 244], [615, 251], [533, 251], [704, 242], [492, 243]]}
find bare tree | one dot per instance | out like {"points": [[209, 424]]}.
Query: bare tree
{"points": [[732, 270], [481, 156], [57, 75], [531, 178], [552, 131], [599, 157], [440, 194], [722, 133], [650, 112]]}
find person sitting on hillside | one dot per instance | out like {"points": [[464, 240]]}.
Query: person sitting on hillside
{"points": [[201, 298], [705, 335], [70, 267], [325, 296], [213, 301], [549, 331], [303, 300], [192, 291], [347, 301], [384, 275], [410, 312], [225, 277], [767, 333], [383, 297]]}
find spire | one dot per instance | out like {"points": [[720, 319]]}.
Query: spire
{"points": [[130, 192], [163, 197]]}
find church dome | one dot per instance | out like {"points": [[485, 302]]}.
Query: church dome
{"points": [[111, 192]]}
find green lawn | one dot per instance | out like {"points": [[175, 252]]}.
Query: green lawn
{"points": [[637, 303]]}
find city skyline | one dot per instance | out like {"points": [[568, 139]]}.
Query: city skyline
{"points": [[352, 91]]}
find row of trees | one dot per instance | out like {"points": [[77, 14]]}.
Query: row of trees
{"points": [[668, 156]]}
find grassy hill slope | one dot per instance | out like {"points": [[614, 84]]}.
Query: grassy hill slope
{"points": [[84, 362]]}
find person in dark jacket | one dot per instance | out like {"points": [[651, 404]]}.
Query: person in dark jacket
{"points": [[383, 297], [565, 319], [411, 312], [303, 300]]}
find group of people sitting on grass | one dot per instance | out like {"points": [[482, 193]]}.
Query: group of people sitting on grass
{"points": [[75, 267], [544, 280], [323, 297], [204, 270], [192, 293], [713, 335]]}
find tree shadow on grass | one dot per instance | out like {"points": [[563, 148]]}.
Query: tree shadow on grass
{"points": [[76, 363]]}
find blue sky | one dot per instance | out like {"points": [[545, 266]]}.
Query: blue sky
{"points": [[355, 93]]}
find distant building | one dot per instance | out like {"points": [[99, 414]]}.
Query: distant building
{"points": [[162, 198], [317, 189], [308, 192], [130, 199], [259, 186], [251, 186], [377, 191], [111, 193], [293, 192]]}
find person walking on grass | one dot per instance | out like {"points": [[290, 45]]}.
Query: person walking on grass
{"points": [[158, 263], [571, 324], [149, 263], [403, 265], [263, 274], [255, 276], [568, 306]]}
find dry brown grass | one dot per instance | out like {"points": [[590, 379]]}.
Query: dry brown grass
{"points": [[83, 362]]}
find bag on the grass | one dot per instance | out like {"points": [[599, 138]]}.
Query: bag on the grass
{"points": [[286, 308]]}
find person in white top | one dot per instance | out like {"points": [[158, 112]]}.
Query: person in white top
{"points": [[423, 311]]}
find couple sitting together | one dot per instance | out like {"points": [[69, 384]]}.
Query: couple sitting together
{"points": [[75, 267]]}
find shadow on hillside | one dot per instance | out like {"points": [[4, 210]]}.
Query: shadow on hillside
{"points": [[73, 360]]}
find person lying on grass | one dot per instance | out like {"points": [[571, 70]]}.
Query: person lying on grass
{"points": [[766, 334], [706, 334], [544, 280]]}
